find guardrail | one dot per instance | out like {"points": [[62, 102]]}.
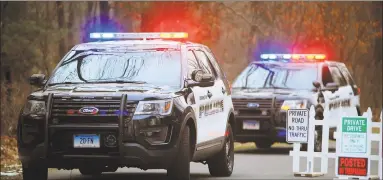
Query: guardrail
{"points": [[345, 154]]}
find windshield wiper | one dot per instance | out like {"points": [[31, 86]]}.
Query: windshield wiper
{"points": [[52, 84], [120, 81]]}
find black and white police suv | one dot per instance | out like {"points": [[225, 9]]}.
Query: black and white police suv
{"points": [[267, 88], [146, 100]]}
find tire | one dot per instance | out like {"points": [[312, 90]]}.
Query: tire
{"points": [[264, 144], [90, 171], [35, 172], [222, 164], [180, 168], [317, 142]]}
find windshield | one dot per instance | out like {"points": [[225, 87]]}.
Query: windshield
{"points": [[278, 76], [155, 67]]}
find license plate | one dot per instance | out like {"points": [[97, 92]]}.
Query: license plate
{"points": [[251, 125], [86, 141]]}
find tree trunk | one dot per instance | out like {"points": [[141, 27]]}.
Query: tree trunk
{"points": [[104, 15], [60, 21], [70, 25]]}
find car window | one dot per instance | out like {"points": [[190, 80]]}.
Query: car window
{"points": [[215, 64], [337, 76], [346, 74], [268, 76], [160, 68], [326, 76], [193, 63], [205, 65]]}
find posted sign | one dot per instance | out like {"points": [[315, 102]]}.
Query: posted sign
{"points": [[354, 135], [352, 166], [297, 123]]}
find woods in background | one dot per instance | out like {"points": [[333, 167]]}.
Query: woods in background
{"points": [[36, 35]]}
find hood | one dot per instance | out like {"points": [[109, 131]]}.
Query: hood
{"points": [[271, 93], [134, 91]]}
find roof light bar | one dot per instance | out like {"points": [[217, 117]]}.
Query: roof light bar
{"points": [[294, 57], [164, 35]]}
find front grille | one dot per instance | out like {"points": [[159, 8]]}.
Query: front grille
{"points": [[65, 110], [263, 113], [242, 103]]}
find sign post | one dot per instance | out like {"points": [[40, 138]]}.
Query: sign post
{"points": [[353, 153], [297, 130]]}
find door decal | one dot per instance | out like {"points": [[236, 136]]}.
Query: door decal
{"points": [[338, 104], [211, 108]]}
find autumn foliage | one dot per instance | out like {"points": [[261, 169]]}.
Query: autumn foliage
{"points": [[34, 36]]}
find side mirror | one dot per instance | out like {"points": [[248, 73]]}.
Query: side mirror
{"points": [[332, 85], [37, 80], [199, 78], [316, 84]]}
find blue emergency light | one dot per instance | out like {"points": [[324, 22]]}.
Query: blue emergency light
{"points": [[292, 57], [162, 35]]}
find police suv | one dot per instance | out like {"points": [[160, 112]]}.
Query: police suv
{"points": [[267, 88], [146, 100]]}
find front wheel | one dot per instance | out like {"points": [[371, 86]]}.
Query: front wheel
{"points": [[264, 144], [317, 142], [180, 169], [35, 172], [90, 171], [222, 164]]}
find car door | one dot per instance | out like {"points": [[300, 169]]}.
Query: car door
{"points": [[201, 99], [214, 108], [340, 102], [350, 81], [222, 86]]}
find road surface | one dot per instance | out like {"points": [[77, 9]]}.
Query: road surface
{"points": [[274, 163]]}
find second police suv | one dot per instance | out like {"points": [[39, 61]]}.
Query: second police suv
{"points": [[146, 100], [267, 88]]}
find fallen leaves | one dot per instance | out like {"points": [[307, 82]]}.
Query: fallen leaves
{"points": [[9, 154]]}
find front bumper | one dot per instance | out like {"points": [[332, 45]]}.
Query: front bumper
{"points": [[49, 140], [271, 127]]}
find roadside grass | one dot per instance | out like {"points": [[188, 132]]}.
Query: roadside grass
{"points": [[238, 147]]}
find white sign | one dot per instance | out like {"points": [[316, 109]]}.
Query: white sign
{"points": [[297, 125], [354, 135]]}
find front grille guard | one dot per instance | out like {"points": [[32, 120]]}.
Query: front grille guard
{"points": [[121, 116]]}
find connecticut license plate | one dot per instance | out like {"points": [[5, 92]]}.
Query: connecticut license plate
{"points": [[86, 141], [251, 125]]}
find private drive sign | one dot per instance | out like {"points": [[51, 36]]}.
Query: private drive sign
{"points": [[352, 157], [354, 135], [297, 126]]}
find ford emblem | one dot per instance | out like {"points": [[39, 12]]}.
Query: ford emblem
{"points": [[252, 105], [88, 110]]}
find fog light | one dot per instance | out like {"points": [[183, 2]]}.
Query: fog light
{"points": [[157, 135], [110, 140]]}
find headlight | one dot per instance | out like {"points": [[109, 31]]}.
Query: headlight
{"points": [[294, 104], [35, 108], [158, 107]]}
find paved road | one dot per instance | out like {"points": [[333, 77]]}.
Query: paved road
{"points": [[274, 163]]}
